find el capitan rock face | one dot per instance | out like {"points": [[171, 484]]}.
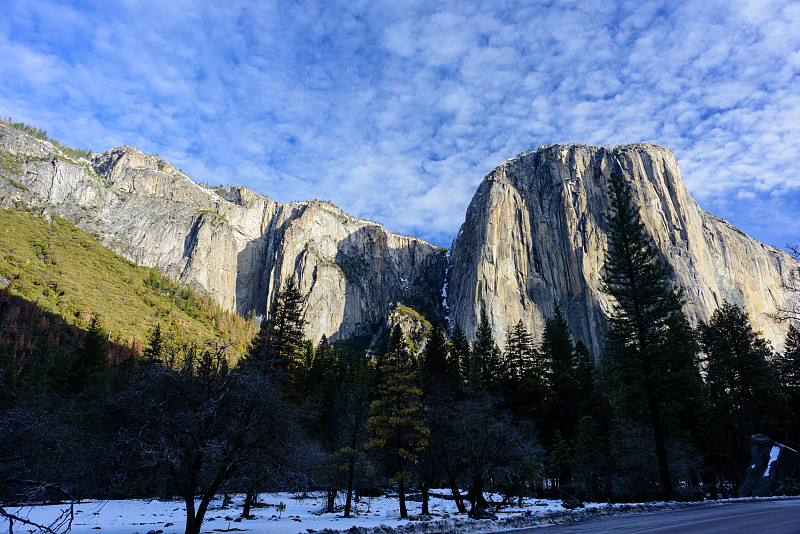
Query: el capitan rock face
{"points": [[535, 234]]}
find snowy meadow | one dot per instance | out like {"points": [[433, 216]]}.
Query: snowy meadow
{"points": [[299, 514]]}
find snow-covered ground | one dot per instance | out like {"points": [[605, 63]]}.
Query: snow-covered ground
{"points": [[301, 514]]}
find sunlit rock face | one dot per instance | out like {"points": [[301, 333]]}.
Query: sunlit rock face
{"points": [[535, 235], [230, 243]]}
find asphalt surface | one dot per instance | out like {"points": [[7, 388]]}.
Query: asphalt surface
{"points": [[759, 517]]}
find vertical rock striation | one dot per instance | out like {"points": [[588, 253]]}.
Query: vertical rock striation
{"points": [[535, 234], [230, 243]]}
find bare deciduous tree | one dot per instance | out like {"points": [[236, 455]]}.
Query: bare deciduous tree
{"points": [[791, 284], [36, 439], [204, 423]]}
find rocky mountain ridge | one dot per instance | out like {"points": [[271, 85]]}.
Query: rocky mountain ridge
{"points": [[230, 243], [534, 234]]}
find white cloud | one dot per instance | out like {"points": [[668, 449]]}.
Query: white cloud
{"points": [[396, 110]]}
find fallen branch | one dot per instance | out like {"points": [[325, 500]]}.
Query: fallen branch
{"points": [[62, 521]]}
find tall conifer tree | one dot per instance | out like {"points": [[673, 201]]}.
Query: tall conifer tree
{"points": [[520, 352], [647, 309], [461, 351], [353, 403], [155, 345], [585, 381], [396, 422], [279, 346], [438, 360], [484, 369], [557, 347], [742, 382], [90, 366], [558, 353], [790, 364], [790, 380]]}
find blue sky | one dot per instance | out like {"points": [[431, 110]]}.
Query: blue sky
{"points": [[396, 110]]}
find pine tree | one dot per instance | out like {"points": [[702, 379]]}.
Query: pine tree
{"points": [[560, 461], [520, 353], [441, 386], [353, 410], [155, 344], [437, 359], [646, 305], [524, 386], [557, 352], [742, 382], [461, 351], [326, 372], [324, 347], [90, 366], [280, 345], [790, 380], [325, 377], [440, 383], [396, 422], [484, 368], [585, 376], [790, 364], [557, 348]]}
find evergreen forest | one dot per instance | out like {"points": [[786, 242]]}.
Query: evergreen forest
{"points": [[116, 382]]}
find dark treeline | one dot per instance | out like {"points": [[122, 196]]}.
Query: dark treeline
{"points": [[666, 412]]}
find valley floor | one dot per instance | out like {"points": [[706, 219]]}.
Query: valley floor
{"points": [[378, 515], [301, 514]]}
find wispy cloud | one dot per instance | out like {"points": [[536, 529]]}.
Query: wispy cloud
{"points": [[396, 110]]}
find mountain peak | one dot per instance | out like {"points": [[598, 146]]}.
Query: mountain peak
{"points": [[534, 234]]}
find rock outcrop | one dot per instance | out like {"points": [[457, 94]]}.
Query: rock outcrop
{"points": [[774, 469], [535, 234], [231, 243]]}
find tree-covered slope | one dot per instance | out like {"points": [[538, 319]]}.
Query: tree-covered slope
{"points": [[65, 271]]}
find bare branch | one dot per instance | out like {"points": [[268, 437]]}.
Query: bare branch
{"points": [[61, 525], [794, 250], [791, 286]]}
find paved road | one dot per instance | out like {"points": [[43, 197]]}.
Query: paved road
{"points": [[759, 517]]}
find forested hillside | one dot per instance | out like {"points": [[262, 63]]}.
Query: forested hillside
{"points": [[59, 269], [117, 382]]}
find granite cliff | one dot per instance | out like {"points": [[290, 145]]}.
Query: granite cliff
{"points": [[230, 242], [535, 234]]}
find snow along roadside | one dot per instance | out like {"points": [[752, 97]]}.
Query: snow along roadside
{"points": [[528, 519]]}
